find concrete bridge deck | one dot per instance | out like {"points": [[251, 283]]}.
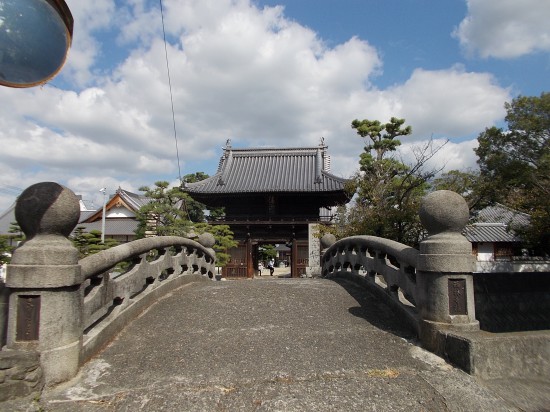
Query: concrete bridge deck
{"points": [[269, 344]]}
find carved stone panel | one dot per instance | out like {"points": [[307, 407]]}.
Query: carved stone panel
{"points": [[28, 317], [457, 297]]}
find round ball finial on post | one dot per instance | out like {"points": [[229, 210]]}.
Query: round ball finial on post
{"points": [[207, 240], [444, 214], [47, 213], [444, 211], [327, 240], [47, 208]]}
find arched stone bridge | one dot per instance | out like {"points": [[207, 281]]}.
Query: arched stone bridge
{"points": [[142, 326]]}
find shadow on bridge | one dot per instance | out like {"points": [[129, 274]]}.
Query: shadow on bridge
{"points": [[376, 313], [288, 344]]}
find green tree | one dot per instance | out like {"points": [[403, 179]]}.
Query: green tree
{"points": [[89, 243], [382, 136], [196, 209], [6, 242], [388, 191], [224, 240], [195, 177], [16, 230], [465, 183], [165, 214], [5, 250], [266, 252], [515, 164]]}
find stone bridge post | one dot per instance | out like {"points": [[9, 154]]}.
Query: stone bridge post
{"points": [[4, 297], [444, 270], [44, 278]]}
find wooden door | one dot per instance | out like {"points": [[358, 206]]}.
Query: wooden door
{"points": [[302, 258], [237, 265]]}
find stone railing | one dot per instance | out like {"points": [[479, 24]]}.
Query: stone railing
{"points": [[433, 286], [157, 266], [64, 309], [388, 266]]}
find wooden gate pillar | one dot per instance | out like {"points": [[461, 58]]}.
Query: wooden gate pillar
{"points": [[294, 258], [249, 258]]}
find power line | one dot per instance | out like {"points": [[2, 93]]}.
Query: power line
{"points": [[170, 87], [10, 190]]}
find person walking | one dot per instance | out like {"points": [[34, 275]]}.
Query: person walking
{"points": [[271, 266]]}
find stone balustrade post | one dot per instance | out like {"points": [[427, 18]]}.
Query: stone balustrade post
{"points": [[4, 297], [314, 252], [208, 241], [44, 277], [326, 241], [445, 292]]}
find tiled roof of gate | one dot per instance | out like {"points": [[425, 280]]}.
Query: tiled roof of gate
{"points": [[270, 170]]}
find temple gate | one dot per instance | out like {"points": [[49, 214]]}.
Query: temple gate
{"points": [[273, 196]]}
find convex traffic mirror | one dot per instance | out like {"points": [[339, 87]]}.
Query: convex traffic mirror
{"points": [[35, 36]]}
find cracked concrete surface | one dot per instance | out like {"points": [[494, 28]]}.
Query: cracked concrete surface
{"points": [[277, 345]]}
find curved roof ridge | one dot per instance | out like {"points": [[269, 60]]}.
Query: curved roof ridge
{"points": [[270, 170], [333, 176], [275, 149]]}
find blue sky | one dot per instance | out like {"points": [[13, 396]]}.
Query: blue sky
{"points": [[408, 33], [266, 73]]}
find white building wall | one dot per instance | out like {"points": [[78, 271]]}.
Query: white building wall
{"points": [[485, 252], [119, 212]]}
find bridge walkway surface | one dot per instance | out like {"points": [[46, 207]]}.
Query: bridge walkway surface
{"points": [[268, 344]]}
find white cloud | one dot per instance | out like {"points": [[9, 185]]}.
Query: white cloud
{"points": [[90, 17], [237, 72], [505, 28], [89, 186], [449, 155], [449, 102]]}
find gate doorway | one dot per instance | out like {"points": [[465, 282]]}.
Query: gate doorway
{"points": [[273, 195], [291, 257], [277, 254]]}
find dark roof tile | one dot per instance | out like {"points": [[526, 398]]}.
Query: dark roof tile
{"points": [[498, 213], [488, 232], [270, 171], [496, 223], [134, 200]]}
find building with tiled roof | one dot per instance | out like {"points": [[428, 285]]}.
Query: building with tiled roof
{"points": [[120, 216], [273, 196], [496, 224], [497, 244], [7, 217], [283, 171]]}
